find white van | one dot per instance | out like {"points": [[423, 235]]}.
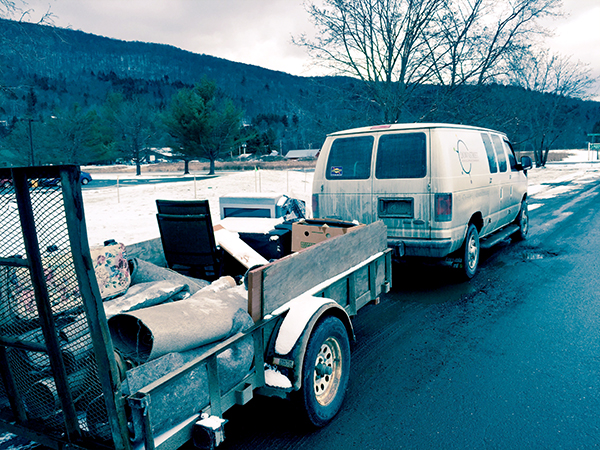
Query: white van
{"points": [[439, 188]]}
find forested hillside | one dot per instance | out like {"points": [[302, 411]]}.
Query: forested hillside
{"points": [[55, 82]]}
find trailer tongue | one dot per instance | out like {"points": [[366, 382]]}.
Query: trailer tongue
{"points": [[70, 378]]}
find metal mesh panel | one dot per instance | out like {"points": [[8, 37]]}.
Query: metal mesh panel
{"points": [[29, 363]]}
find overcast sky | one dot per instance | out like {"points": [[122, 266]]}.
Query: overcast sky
{"points": [[259, 32]]}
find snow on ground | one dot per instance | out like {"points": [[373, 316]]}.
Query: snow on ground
{"points": [[579, 168], [128, 213]]}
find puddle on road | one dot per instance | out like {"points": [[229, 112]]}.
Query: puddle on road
{"points": [[535, 256]]}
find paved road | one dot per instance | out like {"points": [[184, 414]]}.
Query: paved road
{"points": [[129, 180], [508, 361]]}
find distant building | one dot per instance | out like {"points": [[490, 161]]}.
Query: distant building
{"points": [[306, 153], [164, 154]]}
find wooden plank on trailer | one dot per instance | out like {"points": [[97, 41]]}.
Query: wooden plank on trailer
{"points": [[255, 294], [293, 275], [230, 242]]}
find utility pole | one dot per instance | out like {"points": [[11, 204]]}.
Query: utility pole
{"points": [[593, 146], [31, 154]]}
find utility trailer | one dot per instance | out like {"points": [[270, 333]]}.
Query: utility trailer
{"points": [[68, 392]]}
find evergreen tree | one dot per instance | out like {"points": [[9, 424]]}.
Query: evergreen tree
{"points": [[203, 123]]}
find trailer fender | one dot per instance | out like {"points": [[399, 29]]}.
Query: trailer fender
{"points": [[303, 314]]}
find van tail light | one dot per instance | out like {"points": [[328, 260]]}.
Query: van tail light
{"points": [[443, 207], [315, 206]]}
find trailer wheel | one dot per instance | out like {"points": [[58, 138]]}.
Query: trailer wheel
{"points": [[471, 252], [325, 372]]}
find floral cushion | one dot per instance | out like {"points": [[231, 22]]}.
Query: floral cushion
{"points": [[61, 284], [112, 270]]}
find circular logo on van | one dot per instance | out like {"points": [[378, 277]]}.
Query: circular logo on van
{"points": [[465, 157]]}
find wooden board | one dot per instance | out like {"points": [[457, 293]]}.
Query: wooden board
{"points": [[230, 242], [277, 283]]}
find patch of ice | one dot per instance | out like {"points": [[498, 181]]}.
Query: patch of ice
{"points": [[6, 437], [551, 193], [534, 190]]}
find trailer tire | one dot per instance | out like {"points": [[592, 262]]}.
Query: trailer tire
{"points": [[325, 371]]}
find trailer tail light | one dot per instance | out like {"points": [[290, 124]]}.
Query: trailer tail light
{"points": [[443, 207], [315, 206]]}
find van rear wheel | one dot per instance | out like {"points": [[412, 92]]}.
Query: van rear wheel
{"points": [[471, 250]]}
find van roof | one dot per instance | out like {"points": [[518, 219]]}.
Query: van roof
{"points": [[408, 126]]}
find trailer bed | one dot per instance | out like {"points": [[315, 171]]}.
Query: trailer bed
{"points": [[62, 394]]}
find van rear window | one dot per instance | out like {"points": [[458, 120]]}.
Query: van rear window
{"points": [[402, 156], [350, 158]]}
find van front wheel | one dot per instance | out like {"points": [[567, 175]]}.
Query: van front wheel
{"points": [[471, 252], [522, 221]]}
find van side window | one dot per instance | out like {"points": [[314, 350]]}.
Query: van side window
{"points": [[350, 158], [489, 149], [512, 160], [402, 156], [499, 152]]}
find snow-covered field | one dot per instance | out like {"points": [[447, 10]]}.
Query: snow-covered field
{"points": [[128, 213]]}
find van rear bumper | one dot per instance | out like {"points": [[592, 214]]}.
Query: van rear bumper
{"points": [[420, 247]]}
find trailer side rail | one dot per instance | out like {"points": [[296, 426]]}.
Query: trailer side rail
{"points": [[219, 402]]}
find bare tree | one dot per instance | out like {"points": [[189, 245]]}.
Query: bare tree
{"points": [[393, 46], [20, 11], [133, 122], [17, 10], [379, 41], [558, 79]]}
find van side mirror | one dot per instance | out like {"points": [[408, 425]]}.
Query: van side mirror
{"points": [[526, 163]]}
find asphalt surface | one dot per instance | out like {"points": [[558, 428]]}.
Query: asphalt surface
{"points": [[509, 360], [98, 182]]}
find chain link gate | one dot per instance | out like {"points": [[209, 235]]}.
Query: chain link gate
{"points": [[60, 383]]}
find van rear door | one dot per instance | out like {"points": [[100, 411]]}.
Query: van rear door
{"points": [[401, 184], [345, 192]]}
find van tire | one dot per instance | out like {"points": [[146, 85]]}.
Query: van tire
{"points": [[325, 372], [471, 250], [522, 221]]}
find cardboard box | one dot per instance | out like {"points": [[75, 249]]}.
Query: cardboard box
{"points": [[310, 232]]}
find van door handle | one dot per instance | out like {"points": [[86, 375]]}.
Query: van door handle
{"points": [[490, 180]]}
